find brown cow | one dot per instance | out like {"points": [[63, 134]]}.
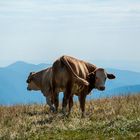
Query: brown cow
{"points": [[42, 80], [77, 77]]}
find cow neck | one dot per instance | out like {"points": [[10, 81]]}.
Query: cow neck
{"points": [[91, 84], [90, 67], [38, 79]]}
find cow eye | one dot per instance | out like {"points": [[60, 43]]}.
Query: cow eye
{"points": [[97, 79], [28, 81]]}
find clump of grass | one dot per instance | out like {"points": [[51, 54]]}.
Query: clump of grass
{"points": [[117, 117]]}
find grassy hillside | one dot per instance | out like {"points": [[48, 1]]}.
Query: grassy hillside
{"points": [[118, 118]]}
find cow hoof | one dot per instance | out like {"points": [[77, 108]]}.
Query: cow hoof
{"points": [[53, 110], [83, 116], [64, 113], [68, 113]]}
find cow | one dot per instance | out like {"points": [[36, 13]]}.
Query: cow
{"points": [[76, 77], [42, 80]]}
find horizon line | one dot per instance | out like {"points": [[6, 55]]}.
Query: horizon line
{"points": [[51, 61], [106, 67]]}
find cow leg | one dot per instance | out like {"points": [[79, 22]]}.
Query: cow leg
{"points": [[70, 103], [56, 101], [66, 98], [65, 102], [50, 104], [82, 99]]}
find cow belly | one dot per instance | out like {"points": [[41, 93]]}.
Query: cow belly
{"points": [[76, 89]]}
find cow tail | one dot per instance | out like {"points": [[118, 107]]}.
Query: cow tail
{"points": [[77, 78]]}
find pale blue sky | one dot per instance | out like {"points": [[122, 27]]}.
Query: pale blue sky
{"points": [[39, 31]]}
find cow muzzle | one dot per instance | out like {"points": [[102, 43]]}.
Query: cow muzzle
{"points": [[28, 89], [102, 88]]}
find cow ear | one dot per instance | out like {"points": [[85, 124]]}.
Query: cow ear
{"points": [[111, 76], [31, 73]]}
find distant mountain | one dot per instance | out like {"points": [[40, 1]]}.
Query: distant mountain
{"points": [[124, 90], [120, 91], [13, 84], [22, 67], [123, 78]]}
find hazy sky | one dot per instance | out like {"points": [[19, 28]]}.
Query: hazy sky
{"points": [[42, 30]]}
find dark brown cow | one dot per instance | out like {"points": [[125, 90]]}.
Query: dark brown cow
{"points": [[76, 77], [42, 80]]}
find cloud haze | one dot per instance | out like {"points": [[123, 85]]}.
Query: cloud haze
{"points": [[40, 31]]}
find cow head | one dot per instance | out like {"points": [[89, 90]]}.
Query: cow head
{"points": [[31, 82], [98, 78]]}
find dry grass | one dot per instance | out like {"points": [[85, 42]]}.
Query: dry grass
{"points": [[115, 118]]}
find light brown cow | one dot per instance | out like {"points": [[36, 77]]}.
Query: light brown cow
{"points": [[77, 77], [42, 80]]}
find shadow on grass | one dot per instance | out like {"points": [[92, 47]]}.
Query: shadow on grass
{"points": [[50, 117], [44, 121], [34, 113]]}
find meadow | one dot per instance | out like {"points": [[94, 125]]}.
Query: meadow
{"points": [[111, 118]]}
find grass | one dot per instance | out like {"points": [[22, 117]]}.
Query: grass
{"points": [[115, 118]]}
